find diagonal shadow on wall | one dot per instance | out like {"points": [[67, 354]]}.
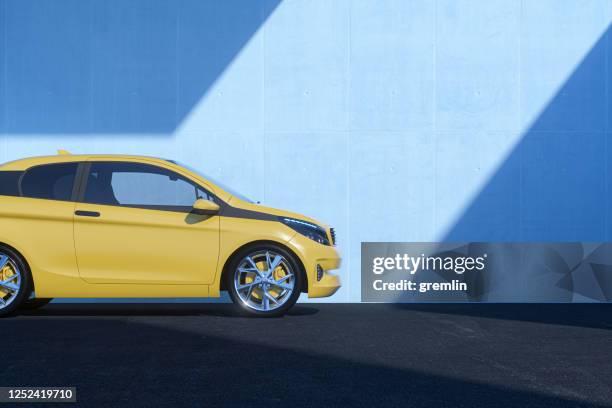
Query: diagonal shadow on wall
{"points": [[94, 66], [554, 185]]}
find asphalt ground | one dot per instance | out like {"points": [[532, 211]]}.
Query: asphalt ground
{"points": [[320, 355]]}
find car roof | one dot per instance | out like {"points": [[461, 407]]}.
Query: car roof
{"points": [[24, 164]]}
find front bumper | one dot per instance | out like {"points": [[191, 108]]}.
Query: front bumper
{"points": [[327, 286], [312, 254]]}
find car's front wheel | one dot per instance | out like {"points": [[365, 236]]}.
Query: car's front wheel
{"points": [[14, 281], [264, 280]]}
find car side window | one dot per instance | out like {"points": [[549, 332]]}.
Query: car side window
{"points": [[49, 181], [9, 183], [141, 186]]}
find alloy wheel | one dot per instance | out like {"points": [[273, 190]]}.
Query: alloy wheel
{"points": [[264, 280]]}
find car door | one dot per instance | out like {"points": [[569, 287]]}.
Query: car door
{"points": [[134, 225]]}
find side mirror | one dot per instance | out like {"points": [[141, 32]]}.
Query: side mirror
{"points": [[207, 207]]}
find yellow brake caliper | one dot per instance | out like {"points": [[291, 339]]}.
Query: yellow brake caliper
{"points": [[278, 273], [5, 274]]}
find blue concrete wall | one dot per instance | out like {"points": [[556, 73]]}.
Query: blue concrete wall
{"points": [[391, 120]]}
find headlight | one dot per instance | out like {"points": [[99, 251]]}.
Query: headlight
{"points": [[307, 229]]}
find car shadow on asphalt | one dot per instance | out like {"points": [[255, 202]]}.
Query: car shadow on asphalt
{"points": [[152, 309]]}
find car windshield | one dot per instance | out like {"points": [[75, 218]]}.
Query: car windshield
{"points": [[222, 185]]}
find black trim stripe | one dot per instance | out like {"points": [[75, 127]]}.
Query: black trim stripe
{"points": [[81, 175], [233, 212]]}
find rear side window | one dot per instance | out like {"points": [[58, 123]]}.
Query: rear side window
{"points": [[9, 182], [50, 181]]}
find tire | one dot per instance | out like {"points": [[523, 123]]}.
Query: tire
{"points": [[36, 303], [260, 290], [15, 281]]}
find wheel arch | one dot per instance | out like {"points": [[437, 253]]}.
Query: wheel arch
{"points": [[230, 258]]}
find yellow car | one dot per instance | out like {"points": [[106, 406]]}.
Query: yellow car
{"points": [[115, 226]]}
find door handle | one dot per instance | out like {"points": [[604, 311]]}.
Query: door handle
{"points": [[87, 213]]}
